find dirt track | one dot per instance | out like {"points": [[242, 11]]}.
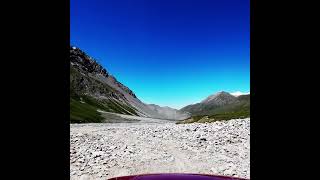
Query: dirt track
{"points": [[100, 151]]}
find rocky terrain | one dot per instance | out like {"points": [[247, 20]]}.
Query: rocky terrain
{"points": [[105, 150]]}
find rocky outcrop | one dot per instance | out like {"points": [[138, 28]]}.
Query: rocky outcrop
{"points": [[85, 63]]}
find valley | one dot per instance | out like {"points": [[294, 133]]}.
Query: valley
{"points": [[113, 133], [93, 88]]}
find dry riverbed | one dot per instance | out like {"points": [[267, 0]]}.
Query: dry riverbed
{"points": [[100, 151]]}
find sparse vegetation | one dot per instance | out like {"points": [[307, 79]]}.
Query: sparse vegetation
{"points": [[207, 113], [83, 113], [236, 113], [83, 108]]}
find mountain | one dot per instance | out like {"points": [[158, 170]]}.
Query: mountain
{"points": [[92, 87], [219, 99], [221, 102]]}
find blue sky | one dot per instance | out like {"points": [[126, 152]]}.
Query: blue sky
{"points": [[169, 52]]}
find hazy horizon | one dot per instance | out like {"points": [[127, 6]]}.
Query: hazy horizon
{"points": [[170, 53]]}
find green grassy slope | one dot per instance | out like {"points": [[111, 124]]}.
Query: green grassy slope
{"points": [[83, 113], [83, 108], [237, 114], [232, 111]]}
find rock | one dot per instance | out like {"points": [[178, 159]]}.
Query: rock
{"points": [[85, 177], [214, 170], [113, 147], [228, 172], [97, 154]]}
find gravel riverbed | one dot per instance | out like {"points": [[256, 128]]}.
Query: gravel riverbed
{"points": [[101, 151]]}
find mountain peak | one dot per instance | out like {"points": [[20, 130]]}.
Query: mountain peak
{"points": [[217, 97], [222, 93]]}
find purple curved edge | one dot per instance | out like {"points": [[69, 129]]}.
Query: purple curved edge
{"points": [[176, 176]]}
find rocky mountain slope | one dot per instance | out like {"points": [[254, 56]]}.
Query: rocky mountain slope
{"points": [[221, 102], [93, 88]]}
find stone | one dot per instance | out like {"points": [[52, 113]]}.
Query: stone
{"points": [[85, 177]]}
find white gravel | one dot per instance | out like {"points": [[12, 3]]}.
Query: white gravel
{"points": [[100, 151]]}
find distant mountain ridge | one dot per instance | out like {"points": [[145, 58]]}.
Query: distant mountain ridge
{"points": [[92, 87], [220, 102]]}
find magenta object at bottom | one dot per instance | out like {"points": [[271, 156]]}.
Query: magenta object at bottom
{"points": [[174, 176]]}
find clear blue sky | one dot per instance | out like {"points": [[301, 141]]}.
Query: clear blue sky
{"points": [[169, 52]]}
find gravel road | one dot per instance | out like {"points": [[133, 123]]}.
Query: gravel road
{"points": [[100, 151]]}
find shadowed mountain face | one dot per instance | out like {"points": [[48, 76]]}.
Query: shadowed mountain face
{"points": [[220, 102], [92, 87]]}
